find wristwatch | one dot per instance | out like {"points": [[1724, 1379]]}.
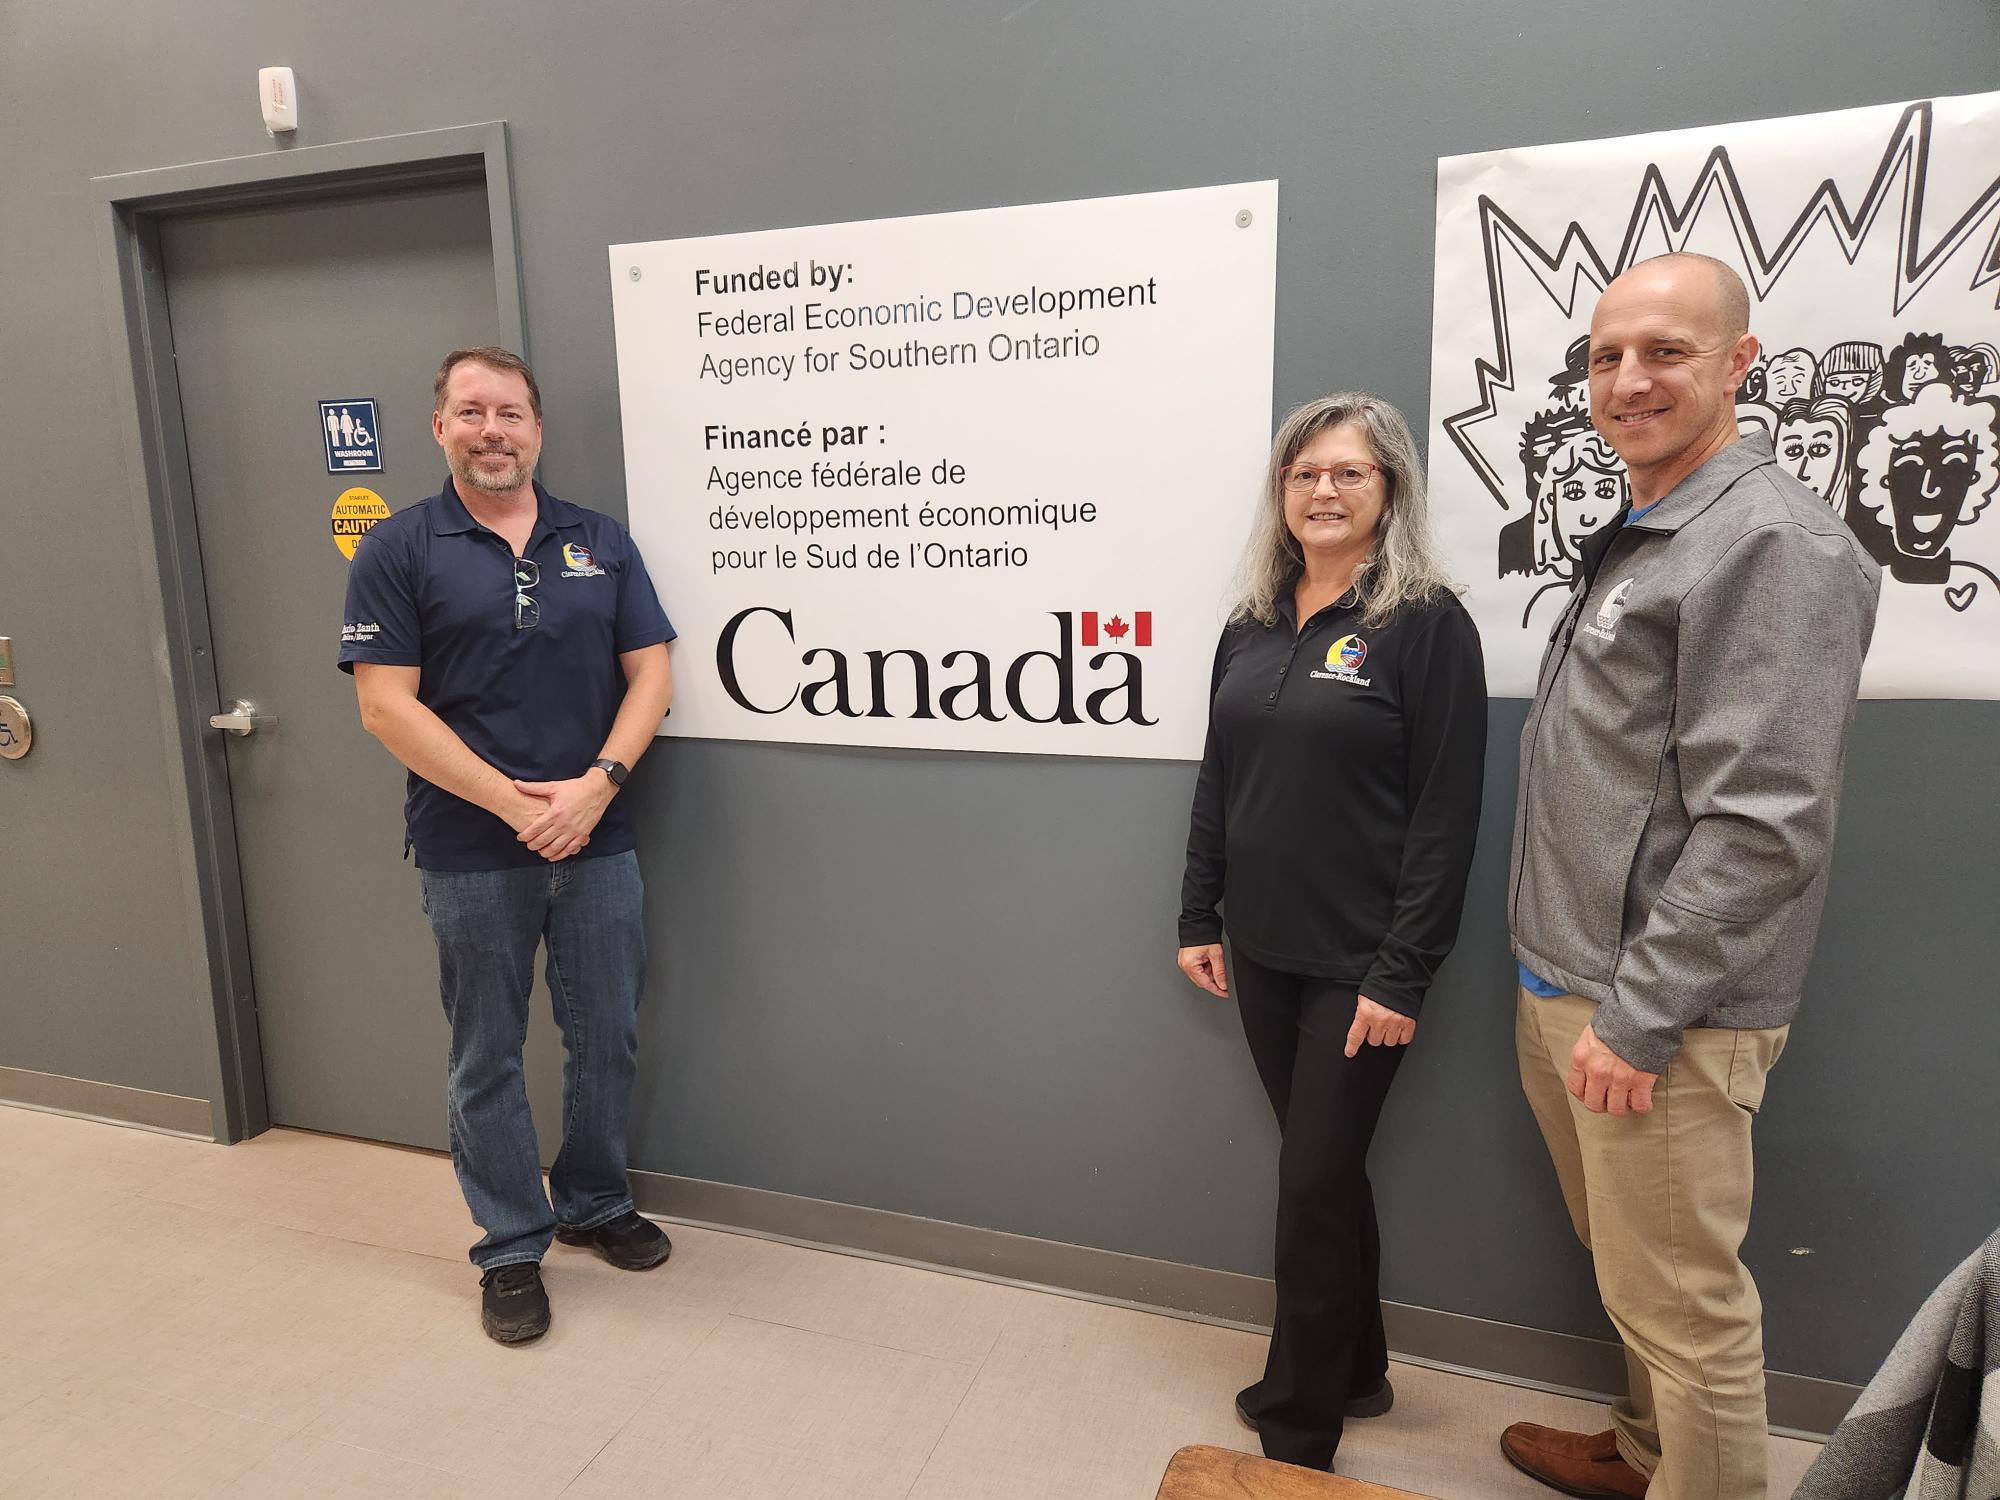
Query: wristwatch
{"points": [[615, 769]]}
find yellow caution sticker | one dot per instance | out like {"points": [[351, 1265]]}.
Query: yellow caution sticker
{"points": [[354, 516]]}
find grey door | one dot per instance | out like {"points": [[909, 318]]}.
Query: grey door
{"points": [[273, 311]]}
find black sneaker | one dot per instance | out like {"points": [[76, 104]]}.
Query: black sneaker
{"points": [[630, 1242], [513, 1303]]}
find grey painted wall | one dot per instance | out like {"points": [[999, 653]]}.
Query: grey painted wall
{"points": [[942, 984]]}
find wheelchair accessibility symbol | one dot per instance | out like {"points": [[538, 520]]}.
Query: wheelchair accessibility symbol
{"points": [[352, 443], [17, 730]]}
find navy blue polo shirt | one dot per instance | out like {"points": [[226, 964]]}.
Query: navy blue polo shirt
{"points": [[432, 588]]}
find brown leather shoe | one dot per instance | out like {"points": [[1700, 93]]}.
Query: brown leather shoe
{"points": [[1587, 1465]]}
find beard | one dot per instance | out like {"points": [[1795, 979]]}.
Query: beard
{"points": [[495, 484]]}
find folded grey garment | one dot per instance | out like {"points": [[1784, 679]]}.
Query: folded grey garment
{"points": [[1928, 1425]]}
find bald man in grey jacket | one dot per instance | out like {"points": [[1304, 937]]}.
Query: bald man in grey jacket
{"points": [[1680, 773]]}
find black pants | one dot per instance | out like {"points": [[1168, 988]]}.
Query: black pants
{"points": [[1326, 1342]]}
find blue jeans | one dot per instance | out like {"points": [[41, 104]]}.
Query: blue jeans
{"points": [[488, 924]]}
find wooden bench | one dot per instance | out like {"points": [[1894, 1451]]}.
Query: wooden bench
{"points": [[1203, 1473]]}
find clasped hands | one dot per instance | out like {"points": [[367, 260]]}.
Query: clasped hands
{"points": [[1376, 1025], [569, 810]]}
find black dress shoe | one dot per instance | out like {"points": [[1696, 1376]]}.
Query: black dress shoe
{"points": [[630, 1242], [1243, 1408], [513, 1303], [1374, 1404]]}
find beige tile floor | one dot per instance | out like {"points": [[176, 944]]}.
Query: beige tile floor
{"points": [[295, 1317]]}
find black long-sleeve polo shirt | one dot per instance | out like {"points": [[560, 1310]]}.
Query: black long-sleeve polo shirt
{"points": [[1338, 799]]}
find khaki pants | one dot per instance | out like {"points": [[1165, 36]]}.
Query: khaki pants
{"points": [[1662, 1202]]}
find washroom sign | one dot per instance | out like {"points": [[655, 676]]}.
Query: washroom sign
{"points": [[964, 481]]}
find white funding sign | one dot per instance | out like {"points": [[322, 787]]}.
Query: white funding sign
{"points": [[1870, 242], [966, 481]]}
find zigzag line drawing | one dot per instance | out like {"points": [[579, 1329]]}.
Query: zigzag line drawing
{"points": [[1900, 180]]}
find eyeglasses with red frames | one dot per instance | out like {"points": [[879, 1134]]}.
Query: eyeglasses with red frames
{"points": [[1350, 475]]}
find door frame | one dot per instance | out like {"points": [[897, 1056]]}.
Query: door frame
{"points": [[130, 208]]}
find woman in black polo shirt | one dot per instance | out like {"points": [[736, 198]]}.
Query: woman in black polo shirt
{"points": [[1333, 825]]}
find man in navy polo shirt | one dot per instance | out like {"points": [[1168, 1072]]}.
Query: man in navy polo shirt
{"points": [[508, 648]]}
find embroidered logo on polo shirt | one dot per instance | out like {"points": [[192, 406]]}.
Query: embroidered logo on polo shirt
{"points": [[1343, 662], [1608, 613], [580, 563]]}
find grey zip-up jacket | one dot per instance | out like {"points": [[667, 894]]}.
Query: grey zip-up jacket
{"points": [[1681, 763]]}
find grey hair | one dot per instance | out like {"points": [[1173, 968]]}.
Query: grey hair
{"points": [[1404, 567]]}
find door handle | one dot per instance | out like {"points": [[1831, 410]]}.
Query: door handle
{"points": [[242, 718]]}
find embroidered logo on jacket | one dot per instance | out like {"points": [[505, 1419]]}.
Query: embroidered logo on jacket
{"points": [[1608, 613]]}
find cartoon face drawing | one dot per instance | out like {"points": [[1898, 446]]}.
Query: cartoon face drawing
{"points": [[1929, 476], [1583, 488], [1974, 366], [1790, 377], [1930, 467], [1527, 545], [1570, 391], [1812, 441], [1852, 371], [1921, 360]]}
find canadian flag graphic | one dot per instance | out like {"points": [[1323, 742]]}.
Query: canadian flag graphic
{"points": [[1117, 628]]}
